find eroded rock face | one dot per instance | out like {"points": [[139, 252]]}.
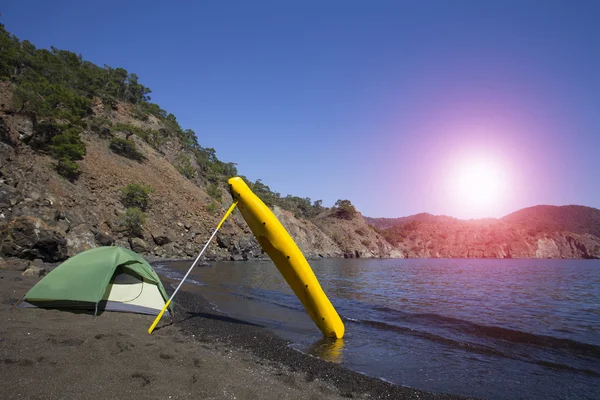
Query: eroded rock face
{"points": [[309, 238], [562, 245], [30, 237], [547, 248], [354, 237]]}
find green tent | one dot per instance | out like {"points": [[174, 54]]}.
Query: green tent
{"points": [[105, 278]]}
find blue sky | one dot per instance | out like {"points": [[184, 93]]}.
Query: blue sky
{"points": [[375, 102]]}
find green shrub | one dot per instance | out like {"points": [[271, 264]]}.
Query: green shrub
{"points": [[138, 112], [185, 167], [126, 148], [133, 221], [98, 124], [214, 191], [212, 207], [136, 195]]}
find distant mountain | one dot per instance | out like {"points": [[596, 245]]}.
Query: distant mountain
{"points": [[577, 219], [534, 232]]}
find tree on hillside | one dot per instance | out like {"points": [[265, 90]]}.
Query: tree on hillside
{"points": [[344, 209], [136, 195], [67, 148]]}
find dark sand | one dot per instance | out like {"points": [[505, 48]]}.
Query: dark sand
{"points": [[51, 354]]}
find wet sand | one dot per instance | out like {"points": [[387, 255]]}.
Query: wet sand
{"points": [[51, 354]]}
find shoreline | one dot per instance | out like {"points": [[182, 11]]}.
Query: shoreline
{"points": [[266, 346], [204, 354], [204, 262]]}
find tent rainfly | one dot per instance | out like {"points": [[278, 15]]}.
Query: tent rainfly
{"points": [[103, 278]]}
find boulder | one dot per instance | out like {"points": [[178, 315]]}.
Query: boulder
{"points": [[62, 225], [158, 251], [122, 243], [190, 250], [7, 154], [224, 241], [24, 126], [34, 271], [41, 137], [163, 236], [30, 237], [104, 239], [105, 133], [34, 195], [138, 245], [75, 217], [172, 250], [5, 134], [37, 263], [80, 238], [13, 264], [9, 196]]}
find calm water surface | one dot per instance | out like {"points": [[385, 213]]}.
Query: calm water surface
{"points": [[497, 329]]}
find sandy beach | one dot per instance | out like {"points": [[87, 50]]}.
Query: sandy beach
{"points": [[52, 354]]}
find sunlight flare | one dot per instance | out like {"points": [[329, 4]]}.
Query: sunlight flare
{"points": [[479, 186]]}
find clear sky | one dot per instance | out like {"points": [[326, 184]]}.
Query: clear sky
{"points": [[383, 103]]}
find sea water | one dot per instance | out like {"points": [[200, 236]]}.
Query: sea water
{"points": [[496, 329]]}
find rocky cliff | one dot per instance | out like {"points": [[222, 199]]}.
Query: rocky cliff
{"points": [[43, 215]]}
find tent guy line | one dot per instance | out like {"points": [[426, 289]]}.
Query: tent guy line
{"points": [[159, 316]]}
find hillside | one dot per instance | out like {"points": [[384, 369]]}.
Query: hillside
{"points": [[87, 160], [74, 137]]}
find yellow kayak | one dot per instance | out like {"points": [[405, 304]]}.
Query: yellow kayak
{"points": [[288, 258]]}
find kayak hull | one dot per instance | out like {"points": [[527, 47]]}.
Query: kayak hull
{"points": [[289, 260]]}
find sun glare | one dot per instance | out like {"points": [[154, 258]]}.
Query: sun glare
{"points": [[479, 187]]}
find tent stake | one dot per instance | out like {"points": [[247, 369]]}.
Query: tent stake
{"points": [[159, 316], [17, 303]]}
